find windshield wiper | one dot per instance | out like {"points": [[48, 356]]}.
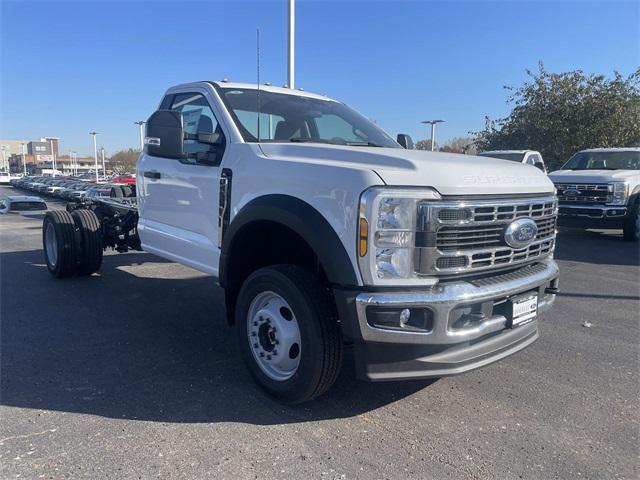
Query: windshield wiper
{"points": [[364, 144]]}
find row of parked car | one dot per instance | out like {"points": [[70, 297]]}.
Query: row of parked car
{"points": [[75, 189]]}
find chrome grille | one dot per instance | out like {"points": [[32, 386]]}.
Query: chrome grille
{"points": [[584, 192], [474, 240]]}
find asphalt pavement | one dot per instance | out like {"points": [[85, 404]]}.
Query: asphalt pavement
{"points": [[133, 373]]}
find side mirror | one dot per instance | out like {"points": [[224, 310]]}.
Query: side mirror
{"points": [[405, 141], [165, 134]]}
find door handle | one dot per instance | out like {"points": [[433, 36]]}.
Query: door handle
{"points": [[152, 174]]}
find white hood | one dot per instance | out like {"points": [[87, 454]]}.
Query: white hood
{"points": [[449, 173], [594, 176]]}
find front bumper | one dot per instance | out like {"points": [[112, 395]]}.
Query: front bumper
{"points": [[592, 216], [448, 346]]}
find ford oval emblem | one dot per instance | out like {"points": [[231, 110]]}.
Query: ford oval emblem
{"points": [[571, 192], [520, 233]]}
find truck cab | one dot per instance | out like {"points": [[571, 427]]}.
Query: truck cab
{"points": [[600, 188], [528, 157], [327, 234]]}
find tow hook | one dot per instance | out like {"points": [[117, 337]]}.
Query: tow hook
{"points": [[552, 290]]}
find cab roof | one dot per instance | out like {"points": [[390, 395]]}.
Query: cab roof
{"points": [[23, 198], [253, 86], [613, 149], [510, 151]]}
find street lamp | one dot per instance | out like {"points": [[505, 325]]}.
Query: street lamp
{"points": [[104, 172], [95, 152], [24, 158], [140, 125], [53, 156], [433, 130], [291, 57]]}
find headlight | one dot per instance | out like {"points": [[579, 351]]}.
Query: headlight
{"points": [[386, 242], [620, 193]]}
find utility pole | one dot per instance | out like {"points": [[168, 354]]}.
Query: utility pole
{"points": [[291, 80], [140, 125], [433, 131], [95, 152]]}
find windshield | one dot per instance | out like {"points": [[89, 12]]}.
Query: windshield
{"points": [[629, 160], [294, 118], [25, 206], [514, 157]]}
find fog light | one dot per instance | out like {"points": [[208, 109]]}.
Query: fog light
{"points": [[406, 319], [405, 315]]}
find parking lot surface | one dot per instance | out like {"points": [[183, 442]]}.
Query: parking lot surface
{"points": [[133, 373]]}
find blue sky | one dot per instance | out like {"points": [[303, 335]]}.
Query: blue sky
{"points": [[70, 67]]}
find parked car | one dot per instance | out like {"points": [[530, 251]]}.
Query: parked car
{"points": [[21, 203], [325, 232], [528, 157], [600, 188]]}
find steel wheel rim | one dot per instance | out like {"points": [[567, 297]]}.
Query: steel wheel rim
{"points": [[51, 244], [274, 336]]}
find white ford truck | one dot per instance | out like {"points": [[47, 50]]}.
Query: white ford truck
{"points": [[327, 234], [600, 188]]}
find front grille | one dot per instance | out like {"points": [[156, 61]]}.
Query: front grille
{"points": [[475, 240], [584, 193], [474, 237]]}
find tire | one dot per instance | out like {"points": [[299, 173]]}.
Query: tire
{"points": [[90, 252], [126, 191], [59, 243], [319, 351], [116, 191], [631, 228]]}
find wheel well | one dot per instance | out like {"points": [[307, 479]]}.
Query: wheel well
{"points": [[260, 244]]}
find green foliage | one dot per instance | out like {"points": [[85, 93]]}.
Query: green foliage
{"points": [[425, 145], [460, 145], [561, 113], [124, 161]]}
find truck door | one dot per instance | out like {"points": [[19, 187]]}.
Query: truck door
{"points": [[179, 198]]}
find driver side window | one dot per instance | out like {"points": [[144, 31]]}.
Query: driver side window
{"points": [[198, 118]]}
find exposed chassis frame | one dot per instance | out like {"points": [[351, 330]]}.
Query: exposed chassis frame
{"points": [[118, 221]]}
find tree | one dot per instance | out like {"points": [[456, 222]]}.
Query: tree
{"points": [[425, 145], [561, 113], [460, 145], [124, 161]]}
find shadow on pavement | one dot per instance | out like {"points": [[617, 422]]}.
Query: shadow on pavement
{"points": [[128, 344], [605, 247]]}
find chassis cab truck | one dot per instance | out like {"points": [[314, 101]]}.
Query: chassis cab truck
{"points": [[325, 232]]}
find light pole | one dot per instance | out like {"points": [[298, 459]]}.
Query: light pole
{"points": [[4, 157], [104, 172], [53, 156], [24, 159], [291, 77], [433, 130], [140, 125], [95, 152]]}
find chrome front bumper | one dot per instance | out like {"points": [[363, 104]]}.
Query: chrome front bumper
{"points": [[443, 299]]}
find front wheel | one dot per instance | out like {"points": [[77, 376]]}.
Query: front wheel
{"points": [[631, 228], [288, 333]]}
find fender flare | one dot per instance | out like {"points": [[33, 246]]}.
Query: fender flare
{"points": [[304, 220]]}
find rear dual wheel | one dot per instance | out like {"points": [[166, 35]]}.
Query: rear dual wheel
{"points": [[72, 243], [288, 333]]}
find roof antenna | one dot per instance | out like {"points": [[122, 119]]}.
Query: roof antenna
{"points": [[258, 72]]}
